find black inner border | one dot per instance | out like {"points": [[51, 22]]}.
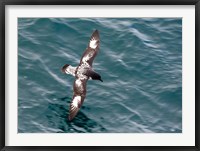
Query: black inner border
{"points": [[4, 3]]}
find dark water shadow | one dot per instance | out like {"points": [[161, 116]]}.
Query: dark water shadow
{"points": [[57, 116], [81, 121]]}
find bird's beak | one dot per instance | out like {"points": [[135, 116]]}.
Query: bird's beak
{"points": [[101, 80]]}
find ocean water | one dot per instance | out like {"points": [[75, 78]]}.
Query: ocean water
{"points": [[140, 62]]}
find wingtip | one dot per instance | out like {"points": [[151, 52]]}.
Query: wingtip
{"points": [[71, 117], [96, 34], [96, 31]]}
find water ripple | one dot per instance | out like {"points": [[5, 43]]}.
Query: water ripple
{"points": [[140, 61]]}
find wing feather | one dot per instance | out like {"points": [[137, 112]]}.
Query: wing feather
{"points": [[81, 80], [92, 49], [74, 106], [78, 97]]}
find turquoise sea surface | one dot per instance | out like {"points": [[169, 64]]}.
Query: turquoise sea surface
{"points": [[140, 62]]}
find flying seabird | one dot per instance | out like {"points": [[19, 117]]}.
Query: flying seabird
{"points": [[82, 73]]}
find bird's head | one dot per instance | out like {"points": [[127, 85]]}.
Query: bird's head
{"points": [[96, 76]]}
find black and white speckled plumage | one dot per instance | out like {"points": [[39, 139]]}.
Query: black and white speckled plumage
{"points": [[82, 73]]}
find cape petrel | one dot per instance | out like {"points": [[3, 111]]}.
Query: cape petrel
{"points": [[82, 73]]}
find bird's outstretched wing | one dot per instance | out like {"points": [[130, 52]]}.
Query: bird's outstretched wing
{"points": [[92, 49], [78, 97], [81, 78]]}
